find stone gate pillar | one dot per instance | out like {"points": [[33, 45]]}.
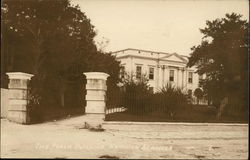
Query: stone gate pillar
{"points": [[96, 97], [18, 100]]}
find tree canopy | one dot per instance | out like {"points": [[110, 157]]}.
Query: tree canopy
{"points": [[223, 57], [54, 40], [55, 35]]}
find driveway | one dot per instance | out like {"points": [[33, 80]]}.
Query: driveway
{"points": [[66, 139]]}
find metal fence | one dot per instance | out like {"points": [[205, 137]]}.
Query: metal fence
{"points": [[134, 104], [114, 101], [115, 110]]}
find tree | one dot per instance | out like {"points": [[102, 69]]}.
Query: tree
{"points": [[57, 40], [222, 56], [57, 36], [198, 93], [48, 23]]}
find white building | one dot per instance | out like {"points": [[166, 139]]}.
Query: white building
{"points": [[160, 68]]}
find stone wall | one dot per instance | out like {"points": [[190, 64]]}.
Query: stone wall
{"points": [[96, 97], [18, 100], [4, 102]]}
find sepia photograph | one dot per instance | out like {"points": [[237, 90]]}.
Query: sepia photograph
{"points": [[125, 79]]}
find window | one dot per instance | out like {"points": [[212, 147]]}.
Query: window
{"points": [[151, 73], [190, 77], [122, 71], [171, 76], [138, 72]]}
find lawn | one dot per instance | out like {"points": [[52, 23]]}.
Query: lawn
{"points": [[192, 113]]}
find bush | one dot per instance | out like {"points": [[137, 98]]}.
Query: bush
{"points": [[136, 95], [198, 93], [138, 99], [170, 100]]}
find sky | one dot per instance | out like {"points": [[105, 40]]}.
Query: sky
{"points": [[156, 25]]}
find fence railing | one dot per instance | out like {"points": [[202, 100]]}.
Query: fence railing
{"points": [[115, 110], [132, 103]]}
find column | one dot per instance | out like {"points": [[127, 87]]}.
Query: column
{"points": [[96, 96], [18, 99], [157, 73], [157, 76], [186, 81], [166, 75], [160, 74], [163, 76], [178, 77], [182, 78], [131, 67]]}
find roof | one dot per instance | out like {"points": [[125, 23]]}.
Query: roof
{"points": [[177, 55], [140, 50], [167, 54]]}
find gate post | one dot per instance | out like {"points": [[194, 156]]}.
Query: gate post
{"points": [[96, 97], [18, 100]]}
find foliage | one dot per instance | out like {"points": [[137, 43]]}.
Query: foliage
{"points": [[198, 93], [58, 38], [53, 40], [138, 99], [105, 62], [222, 56], [54, 30], [170, 100], [135, 94]]}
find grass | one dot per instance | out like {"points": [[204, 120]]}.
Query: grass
{"points": [[192, 113]]}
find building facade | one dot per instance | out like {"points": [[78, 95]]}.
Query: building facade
{"points": [[159, 67]]}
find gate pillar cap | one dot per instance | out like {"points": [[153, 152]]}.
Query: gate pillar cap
{"points": [[96, 75], [19, 75]]}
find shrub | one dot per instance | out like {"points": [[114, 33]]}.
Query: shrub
{"points": [[136, 95], [170, 100], [198, 93], [138, 99]]}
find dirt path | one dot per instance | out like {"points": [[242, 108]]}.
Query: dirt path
{"points": [[64, 139]]}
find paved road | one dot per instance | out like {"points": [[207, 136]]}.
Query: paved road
{"points": [[64, 139]]}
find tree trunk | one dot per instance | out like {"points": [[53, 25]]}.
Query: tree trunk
{"points": [[62, 89], [222, 106]]}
